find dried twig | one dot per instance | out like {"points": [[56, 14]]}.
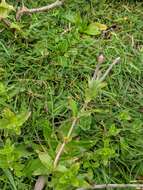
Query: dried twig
{"points": [[24, 10], [61, 149], [6, 22], [1, 30], [114, 186], [40, 183], [109, 69]]}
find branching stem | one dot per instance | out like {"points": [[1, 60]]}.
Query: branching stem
{"points": [[24, 10]]}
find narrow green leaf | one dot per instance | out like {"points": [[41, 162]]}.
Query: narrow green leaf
{"points": [[2, 89], [10, 178], [73, 106], [47, 129]]}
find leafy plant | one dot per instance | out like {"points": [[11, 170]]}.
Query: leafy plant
{"points": [[47, 70]]}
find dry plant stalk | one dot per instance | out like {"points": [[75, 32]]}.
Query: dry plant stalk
{"points": [[114, 186], [40, 183], [61, 149], [24, 10], [6, 22]]}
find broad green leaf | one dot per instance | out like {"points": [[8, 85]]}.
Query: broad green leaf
{"points": [[41, 171], [8, 114], [5, 9], [35, 167], [22, 118], [46, 160], [61, 168], [92, 30], [95, 29], [100, 26], [76, 148], [12, 121], [8, 124], [18, 168]]}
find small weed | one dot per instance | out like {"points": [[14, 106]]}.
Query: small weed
{"points": [[47, 60]]}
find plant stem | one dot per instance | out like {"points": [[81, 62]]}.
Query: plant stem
{"points": [[114, 186], [40, 183], [6, 22], [58, 155], [24, 10], [109, 69], [60, 151]]}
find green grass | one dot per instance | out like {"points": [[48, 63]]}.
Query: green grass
{"points": [[42, 67]]}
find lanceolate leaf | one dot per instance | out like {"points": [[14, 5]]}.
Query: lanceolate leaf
{"points": [[10, 178], [35, 167], [100, 26], [92, 30], [2, 89], [46, 159], [22, 117], [95, 29], [73, 106]]}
